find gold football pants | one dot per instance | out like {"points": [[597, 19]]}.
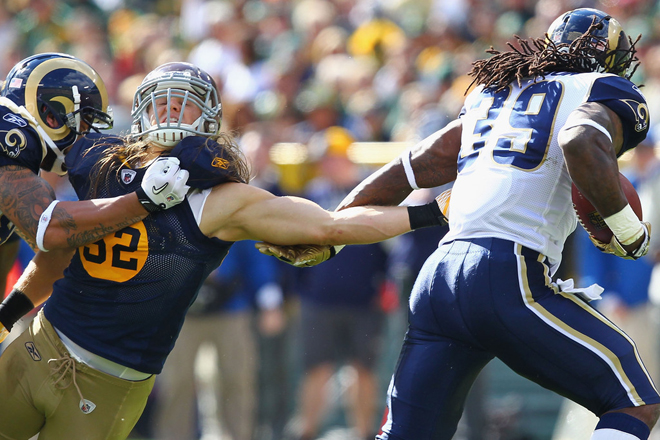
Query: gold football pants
{"points": [[43, 390]]}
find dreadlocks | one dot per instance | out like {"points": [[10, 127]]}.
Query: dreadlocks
{"points": [[539, 56]]}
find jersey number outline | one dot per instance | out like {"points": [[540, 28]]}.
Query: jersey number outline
{"points": [[117, 257], [529, 120]]}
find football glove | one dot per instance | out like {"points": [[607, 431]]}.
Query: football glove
{"points": [[615, 247], [308, 255], [163, 185], [300, 255]]}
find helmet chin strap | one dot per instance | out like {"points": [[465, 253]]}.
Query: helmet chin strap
{"points": [[57, 165], [76, 106], [73, 118]]}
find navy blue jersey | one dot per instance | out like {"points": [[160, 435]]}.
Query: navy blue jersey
{"points": [[19, 145], [125, 297]]}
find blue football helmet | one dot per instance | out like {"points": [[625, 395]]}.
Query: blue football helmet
{"points": [[192, 87], [60, 92], [612, 48]]}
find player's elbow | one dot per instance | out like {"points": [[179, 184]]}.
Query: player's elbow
{"points": [[570, 141], [55, 238]]}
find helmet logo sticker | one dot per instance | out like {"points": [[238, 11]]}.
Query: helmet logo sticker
{"points": [[13, 143], [16, 83], [15, 119]]}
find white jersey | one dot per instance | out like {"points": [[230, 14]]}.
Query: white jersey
{"points": [[512, 180]]}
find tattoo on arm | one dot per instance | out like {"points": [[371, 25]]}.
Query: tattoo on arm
{"points": [[76, 238], [23, 197]]}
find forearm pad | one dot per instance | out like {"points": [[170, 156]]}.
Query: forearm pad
{"points": [[14, 307], [424, 216]]}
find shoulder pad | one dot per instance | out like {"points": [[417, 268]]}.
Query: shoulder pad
{"points": [[626, 100], [82, 157], [207, 162], [82, 149], [20, 144]]}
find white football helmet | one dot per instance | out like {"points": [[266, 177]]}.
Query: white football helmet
{"points": [[191, 86]]}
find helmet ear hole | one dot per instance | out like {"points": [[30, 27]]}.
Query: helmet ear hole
{"points": [[51, 116]]}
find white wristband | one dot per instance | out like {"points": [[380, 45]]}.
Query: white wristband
{"points": [[625, 225], [44, 221], [407, 167], [590, 123]]}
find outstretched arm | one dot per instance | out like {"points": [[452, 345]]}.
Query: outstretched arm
{"points": [[433, 163], [430, 163], [236, 211]]}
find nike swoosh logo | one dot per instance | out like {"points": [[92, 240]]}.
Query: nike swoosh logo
{"points": [[160, 188]]}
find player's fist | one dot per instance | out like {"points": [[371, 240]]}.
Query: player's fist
{"points": [[164, 185], [301, 255], [615, 247]]}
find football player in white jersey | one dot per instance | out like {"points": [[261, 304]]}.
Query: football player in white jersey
{"points": [[557, 110]]}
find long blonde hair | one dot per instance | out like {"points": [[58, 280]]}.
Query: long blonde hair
{"points": [[132, 153]]}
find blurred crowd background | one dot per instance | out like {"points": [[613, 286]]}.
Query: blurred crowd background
{"points": [[319, 93]]}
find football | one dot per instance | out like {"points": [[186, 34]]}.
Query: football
{"points": [[592, 221]]}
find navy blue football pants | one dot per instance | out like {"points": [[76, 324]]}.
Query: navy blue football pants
{"points": [[477, 299]]}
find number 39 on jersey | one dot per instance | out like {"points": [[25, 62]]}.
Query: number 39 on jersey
{"points": [[525, 122]]}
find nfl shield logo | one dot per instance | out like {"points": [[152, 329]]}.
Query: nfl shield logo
{"points": [[127, 176]]}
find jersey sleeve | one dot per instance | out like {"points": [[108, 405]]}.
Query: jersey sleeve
{"points": [[19, 142], [207, 162], [626, 100]]}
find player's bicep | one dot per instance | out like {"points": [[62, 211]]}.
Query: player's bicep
{"points": [[431, 162], [282, 220], [237, 211], [434, 159], [589, 142], [23, 197], [587, 121]]}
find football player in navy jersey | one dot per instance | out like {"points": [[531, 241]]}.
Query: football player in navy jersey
{"points": [[46, 103], [86, 364], [546, 113]]}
